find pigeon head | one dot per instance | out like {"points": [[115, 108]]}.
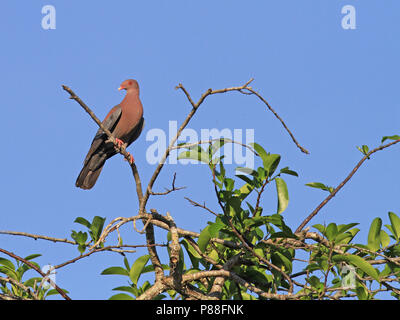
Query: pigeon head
{"points": [[128, 85]]}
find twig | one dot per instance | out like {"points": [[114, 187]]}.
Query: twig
{"points": [[279, 118], [173, 188], [108, 248], [259, 196], [340, 186], [36, 236], [196, 204]]}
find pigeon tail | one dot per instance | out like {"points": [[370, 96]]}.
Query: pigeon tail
{"points": [[87, 177]]}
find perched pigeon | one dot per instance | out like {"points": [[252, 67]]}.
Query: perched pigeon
{"points": [[125, 121]]}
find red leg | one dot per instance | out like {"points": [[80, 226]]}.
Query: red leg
{"points": [[119, 142]]}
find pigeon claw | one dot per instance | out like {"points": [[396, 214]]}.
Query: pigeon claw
{"points": [[119, 142]]}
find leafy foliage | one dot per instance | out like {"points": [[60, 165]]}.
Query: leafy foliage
{"points": [[95, 229], [272, 257], [14, 284]]}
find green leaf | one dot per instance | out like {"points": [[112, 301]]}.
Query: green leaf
{"points": [[229, 184], [193, 254], [214, 228], [364, 149], [281, 260], [385, 239], [245, 179], [260, 150], [344, 227], [137, 268], [290, 172], [222, 169], [395, 137], [126, 263], [271, 162], [395, 222], [358, 262], [9, 272], [121, 296], [283, 194], [7, 263], [319, 227], [245, 190], [96, 227], [347, 236], [374, 234], [247, 171], [83, 221], [126, 289], [314, 282], [32, 256], [320, 185], [81, 248], [54, 292], [150, 268], [343, 238], [331, 231], [362, 293], [115, 270], [204, 238], [195, 155], [256, 221], [80, 237]]}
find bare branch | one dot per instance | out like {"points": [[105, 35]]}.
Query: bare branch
{"points": [[340, 186], [36, 236], [173, 188], [279, 118], [196, 204]]}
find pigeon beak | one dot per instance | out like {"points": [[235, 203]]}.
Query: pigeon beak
{"points": [[120, 88]]}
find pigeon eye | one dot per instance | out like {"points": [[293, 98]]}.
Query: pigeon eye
{"points": [[130, 83]]}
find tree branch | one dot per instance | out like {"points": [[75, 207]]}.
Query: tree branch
{"points": [[340, 186]]}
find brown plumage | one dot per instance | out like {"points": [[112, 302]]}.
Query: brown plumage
{"points": [[125, 121]]}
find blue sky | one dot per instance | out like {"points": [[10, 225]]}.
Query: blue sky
{"points": [[336, 89]]}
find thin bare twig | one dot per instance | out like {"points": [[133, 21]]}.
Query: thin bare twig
{"points": [[36, 236], [196, 204], [173, 188], [279, 118], [340, 186]]}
